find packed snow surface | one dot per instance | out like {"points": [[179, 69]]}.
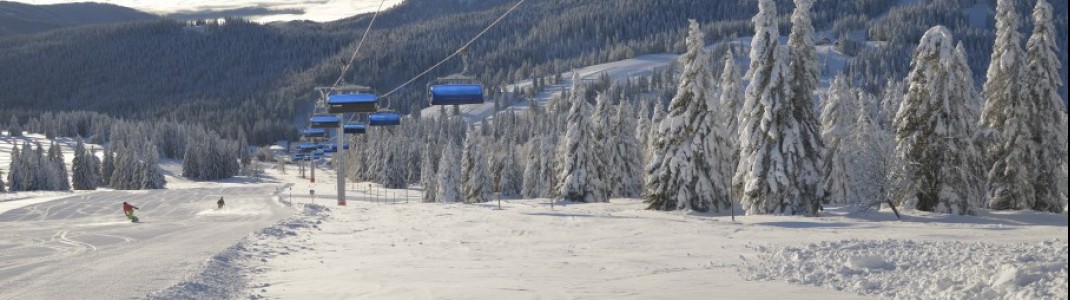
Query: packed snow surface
{"points": [[386, 244], [922, 269]]}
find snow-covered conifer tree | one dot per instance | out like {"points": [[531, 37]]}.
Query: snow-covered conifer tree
{"points": [[890, 101], [81, 174], [868, 151], [1005, 119], [731, 101], [14, 175], [678, 177], [778, 171], [1049, 125], [577, 162], [934, 136], [151, 176], [548, 167], [533, 170], [449, 175], [837, 120], [59, 179], [429, 172], [624, 167], [473, 170]]}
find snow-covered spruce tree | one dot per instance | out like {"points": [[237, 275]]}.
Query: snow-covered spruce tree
{"points": [[624, 168], [890, 101], [1005, 119], [600, 146], [1049, 124], [804, 81], [868, 152], [777, 171], [652, 132], [472, 170], [731, 101], [837, 120], [642, 133], [965, 91], [678, 177], [151, 176], [14, 174], [81, 174], [577, 162], [511, 173], [548, 166], [934, 146], [449, 175], [59, 177], [13, 128], [41, 169], [107, 167], [393, 170], [429, 171], [2, 188], [533, 170]]}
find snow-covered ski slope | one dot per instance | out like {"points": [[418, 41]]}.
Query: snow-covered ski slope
{"points": [[82, 247], [387, 245], [78, 245]]}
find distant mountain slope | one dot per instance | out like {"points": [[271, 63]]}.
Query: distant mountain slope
{"points": [[21, 18]]}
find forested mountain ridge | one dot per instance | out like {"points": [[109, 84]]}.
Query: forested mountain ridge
{"points": [[260, 77], [20, 18]]}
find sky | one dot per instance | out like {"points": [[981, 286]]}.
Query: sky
{"points": [[256, 10]]}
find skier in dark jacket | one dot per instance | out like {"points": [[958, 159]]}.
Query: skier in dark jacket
{"points": [[219, 203]]}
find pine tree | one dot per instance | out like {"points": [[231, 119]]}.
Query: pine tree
{"points": [[532, 170], [777, 172], [731, 101], [1049, 125], [549, 166], [107, 167], [151, 176], [2, 188], [679, 175], [624, 166], [868, 150], [934, 145], [473, 171], [449, 172], [599, 139], [14, 175], [577, 163], [1005, 119], [80, 171], [890, 101], [13, 128], [512, 176], [59, 178], [41, 169], [837, 119], [429, 172]]}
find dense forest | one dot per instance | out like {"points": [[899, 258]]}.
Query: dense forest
{"points": [[235, 76]]}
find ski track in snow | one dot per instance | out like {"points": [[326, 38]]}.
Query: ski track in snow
{"points": [[82, 247]]}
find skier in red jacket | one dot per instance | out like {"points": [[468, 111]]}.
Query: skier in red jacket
{"points": [[128, 209]]}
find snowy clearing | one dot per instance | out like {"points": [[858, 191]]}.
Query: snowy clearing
{"points": [[923, 270], [380, 247]]}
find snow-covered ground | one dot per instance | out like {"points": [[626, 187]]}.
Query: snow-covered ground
{"points": [[382, 247]]}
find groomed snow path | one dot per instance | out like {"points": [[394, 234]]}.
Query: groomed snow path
{"points": [[82, 247]]}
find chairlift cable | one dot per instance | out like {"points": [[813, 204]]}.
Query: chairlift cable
{"points": [[459, 50]]}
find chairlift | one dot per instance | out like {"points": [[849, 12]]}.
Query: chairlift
{"points": [[457, 89], [315, 133], [324, 121], [307, 147], [353, 128], [352, 103], [384, 118]]}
